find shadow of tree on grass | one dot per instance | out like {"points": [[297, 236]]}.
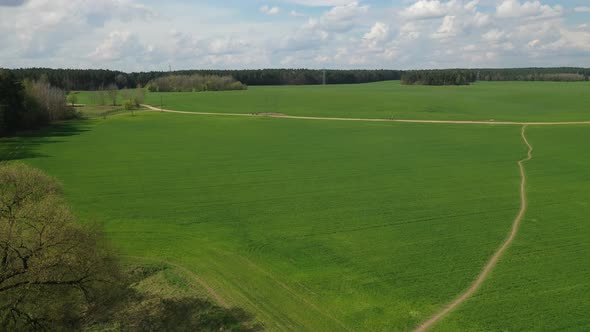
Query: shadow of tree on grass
{"points": [[26, 145], [133, 310]]}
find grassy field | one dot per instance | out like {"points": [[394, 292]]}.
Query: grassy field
{"points": [[509, 101], [322, 225], [544, 281], [501, 101]]}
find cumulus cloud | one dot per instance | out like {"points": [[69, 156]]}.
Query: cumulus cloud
{"points": [[342, 18], [425, 9], [320, 3], [494, 35], [583, 9], [448, 28], [117, 45], [516, 9], [124, 34], [269, 10], [309, 36], [379, 33], [41, 26]]}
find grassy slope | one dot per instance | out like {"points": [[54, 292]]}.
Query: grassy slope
{"points": [[510, 101], [303, 223], [544, 280]]}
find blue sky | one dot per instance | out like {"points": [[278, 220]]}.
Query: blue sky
{"points": [[134, 35]]}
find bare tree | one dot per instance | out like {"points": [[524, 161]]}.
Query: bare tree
{"points": [[112, 93], [51, 269], [138, 96], [48, 101], [100, 96]]}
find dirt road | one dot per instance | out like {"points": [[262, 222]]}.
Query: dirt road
{"points": [[282, 116], [496, 257]]}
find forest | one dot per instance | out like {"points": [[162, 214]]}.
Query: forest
{"points": [[468, 76], [30, 103], [439, 77], [95, 79]]}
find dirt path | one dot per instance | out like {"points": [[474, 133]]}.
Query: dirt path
{"points": [[494, 260], [210, 291], [515, 225], [282, 116]]}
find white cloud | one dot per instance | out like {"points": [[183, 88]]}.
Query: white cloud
{"points": [[448, 28], [43, 25], [320, 3], [309, 36], [379, 33], [269, 10], [226, 46], [570, 39], [117, 45], [341, 34], [494, 35], [583, 9], [480, 20], [322, 59], [342, 18], [534, 43], [424, 9], [410, 31], [515, 9]]}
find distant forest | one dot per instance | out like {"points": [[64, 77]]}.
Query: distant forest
{"points": [[94, 79], [468, 76]]}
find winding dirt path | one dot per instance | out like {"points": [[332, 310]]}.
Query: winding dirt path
{"points": [[476, 285], [494, 260], [282, 116]]}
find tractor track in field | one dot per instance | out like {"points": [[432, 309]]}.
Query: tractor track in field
{"points": [[496, 257], [284, 116], [215, 296]]}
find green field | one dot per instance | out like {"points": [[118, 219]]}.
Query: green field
{"points": [[508, 101], [500, 101], [327, 225]]}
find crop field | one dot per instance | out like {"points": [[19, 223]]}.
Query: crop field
{"points": [[500, 101], [346, 225]]}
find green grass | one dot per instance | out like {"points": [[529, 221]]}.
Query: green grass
{"points": [[302, 223], [316, 225], [543, 282], [501, 101]]}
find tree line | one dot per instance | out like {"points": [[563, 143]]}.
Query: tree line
{"points": [[30, 104], [194, 83], [468, 76], [439, 77], [94, 79], [534, 74]]}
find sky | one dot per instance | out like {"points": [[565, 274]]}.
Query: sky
{"points": [[145, 35]]}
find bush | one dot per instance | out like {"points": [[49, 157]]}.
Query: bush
{"points": [[73, 99], [128, 105]]}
